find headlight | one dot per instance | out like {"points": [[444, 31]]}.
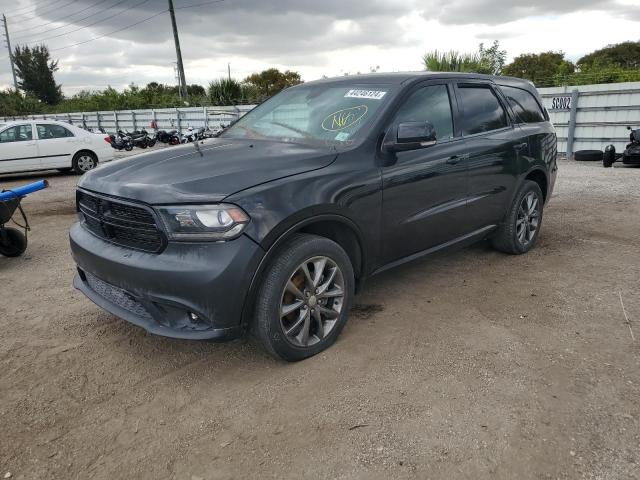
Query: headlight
{"points": [[203, 222]]}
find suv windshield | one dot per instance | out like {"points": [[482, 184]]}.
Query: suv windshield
{"points": [[313, 114]]}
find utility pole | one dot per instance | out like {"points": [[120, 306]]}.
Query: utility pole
{"points": [[183, 81], [6, 33], [229, 70]]}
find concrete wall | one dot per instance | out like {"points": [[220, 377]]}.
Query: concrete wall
{"points": [[602, 113]]}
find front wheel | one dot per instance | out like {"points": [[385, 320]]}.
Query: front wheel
{"points": [[521, 227], [303, 303]]}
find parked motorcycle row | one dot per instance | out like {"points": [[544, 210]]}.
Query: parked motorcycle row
{"points": [[142, 139]]}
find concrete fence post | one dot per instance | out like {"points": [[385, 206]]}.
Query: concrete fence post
{"points": [[115, 118], [571, 133], [98, 122], [179, 121], [205, 110], [133, 119]]}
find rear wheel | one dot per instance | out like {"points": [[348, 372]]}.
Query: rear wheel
{"points": [[83, 162], [303, 303], [13, 243], [519, 232]]}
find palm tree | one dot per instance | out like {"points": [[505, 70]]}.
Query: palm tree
{"points": [[454, 61]]}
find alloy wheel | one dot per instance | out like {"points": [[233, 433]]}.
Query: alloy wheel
{"points": [[312, 301], [528, 219]]}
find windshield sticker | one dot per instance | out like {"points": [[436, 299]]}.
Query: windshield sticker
{"points": [[345, 118], [369, 94], [342, 136]]}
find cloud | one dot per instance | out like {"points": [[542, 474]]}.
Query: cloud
{"points": [[317, 38]]}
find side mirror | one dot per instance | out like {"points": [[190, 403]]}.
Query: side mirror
{"points": [[412, 136]]}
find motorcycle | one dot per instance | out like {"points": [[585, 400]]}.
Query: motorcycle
{"points": [[192, 135], [141, 139], [120, 141], [171, 137], [631, 154]]}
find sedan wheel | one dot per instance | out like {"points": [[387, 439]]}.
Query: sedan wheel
{"points": [[83, 162]]}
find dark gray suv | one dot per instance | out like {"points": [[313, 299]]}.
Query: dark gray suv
{"points": [[272, 227]]}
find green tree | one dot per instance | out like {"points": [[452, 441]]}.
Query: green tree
{"points": [[225, 91], [454, 61], [493, 57], [543, 69], [485, 60], [624, 56], [35, 70], [14, 103], [271, 81]]}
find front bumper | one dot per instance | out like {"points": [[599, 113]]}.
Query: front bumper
{"points": [[191, 290]]}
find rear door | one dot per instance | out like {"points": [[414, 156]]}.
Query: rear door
{"points": [[494, 145], [424, 191], [56, 144], [18, 149]]}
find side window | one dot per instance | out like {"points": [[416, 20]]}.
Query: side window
{"points": [[524, 104], [19, 133], [482, 109], [429, 104], [48, 131]]}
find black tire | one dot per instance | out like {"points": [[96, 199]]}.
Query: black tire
{"points": [[506, 239], [13, 243], [84, 162], [609, 156], [588, 155], [267, 326], [129, 147]]}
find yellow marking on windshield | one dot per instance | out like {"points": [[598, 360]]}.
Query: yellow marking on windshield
{"points": [[345, 118]]}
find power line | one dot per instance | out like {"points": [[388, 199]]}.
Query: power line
{"points": [[110, 33], [63, 18], [45, 10], [122, 29], [90, 24], [27, 7]]}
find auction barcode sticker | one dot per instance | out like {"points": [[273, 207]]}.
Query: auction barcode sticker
{"points": [[370, 94]]}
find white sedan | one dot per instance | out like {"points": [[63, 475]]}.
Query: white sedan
{"points": [[27, 145]]}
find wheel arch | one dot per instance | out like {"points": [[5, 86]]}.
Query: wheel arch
{"points": [[539, 176], [333, 226]]}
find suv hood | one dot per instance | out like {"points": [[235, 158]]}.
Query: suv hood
{"points": [[220, 168]]}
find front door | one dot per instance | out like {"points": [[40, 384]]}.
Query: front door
{"points": [[424, 191], [18, 149]]}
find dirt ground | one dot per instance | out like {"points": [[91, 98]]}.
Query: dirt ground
{"points": [[471, 365]]}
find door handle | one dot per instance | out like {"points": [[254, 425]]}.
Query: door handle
{"points": [[521, 146], [455, 159]]}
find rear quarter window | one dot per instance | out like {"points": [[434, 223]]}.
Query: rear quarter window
{"points": [[524, 104]]}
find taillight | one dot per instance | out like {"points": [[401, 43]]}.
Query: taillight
{"points": [[107, 139]]}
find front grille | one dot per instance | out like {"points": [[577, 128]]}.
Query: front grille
{"points": [[119, 222], [117, 296]]}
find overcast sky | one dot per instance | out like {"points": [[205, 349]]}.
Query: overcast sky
{"points": [[314, 37]]}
